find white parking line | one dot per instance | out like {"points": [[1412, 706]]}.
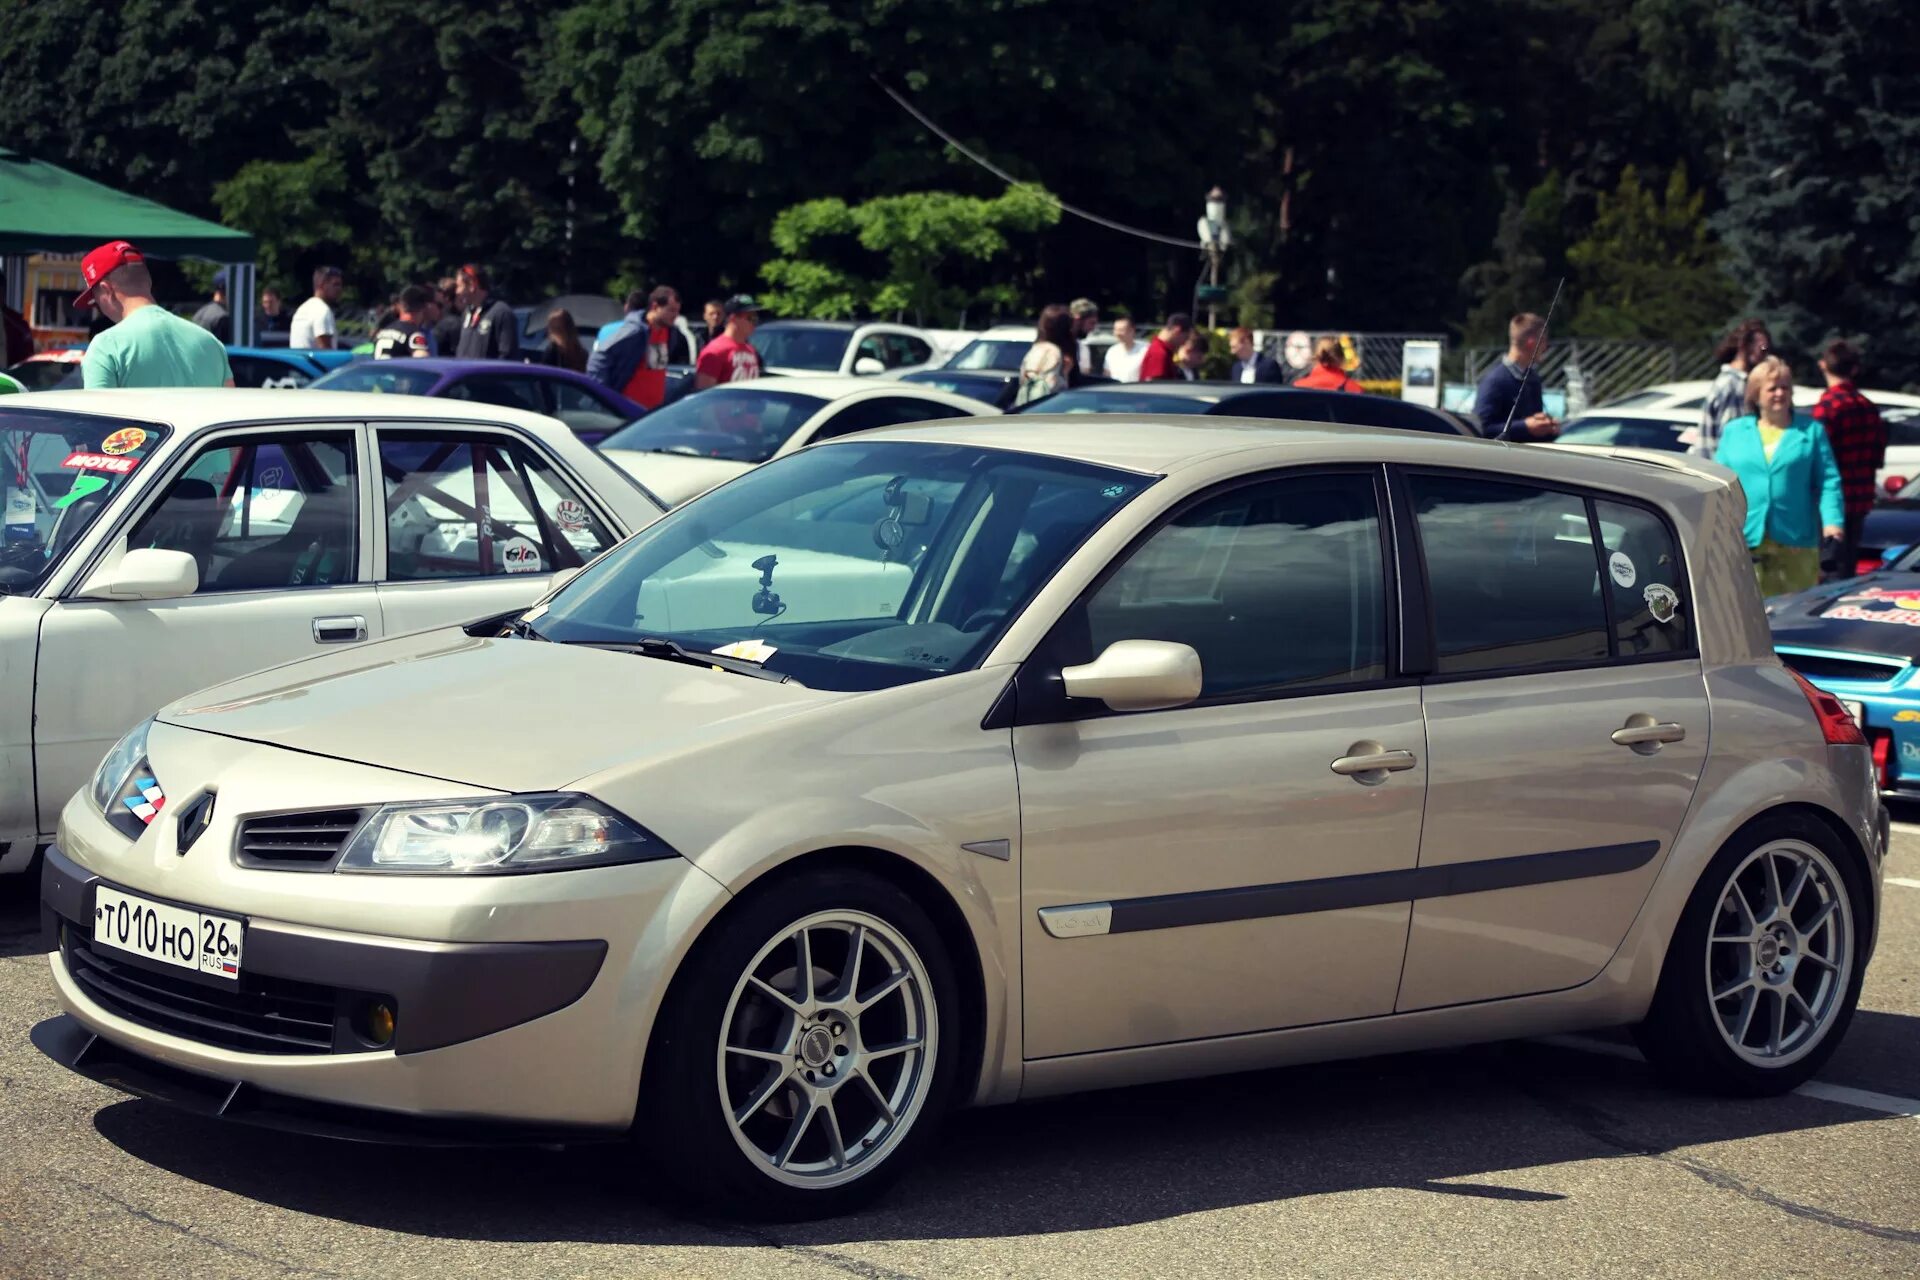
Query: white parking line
{"points": [[1903, 882], [1865, 1099]]}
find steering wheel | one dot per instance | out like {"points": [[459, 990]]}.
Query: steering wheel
{"points": [[981, 619]]}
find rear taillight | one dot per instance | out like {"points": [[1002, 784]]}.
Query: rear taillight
{"points": [[1867, 564], [1882, 755], [1836, 723]]}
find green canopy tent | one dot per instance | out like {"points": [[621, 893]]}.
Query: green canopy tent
{"points": [[46, 209]]}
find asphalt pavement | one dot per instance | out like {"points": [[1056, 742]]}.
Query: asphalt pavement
{"points": [[1561, 1158]]}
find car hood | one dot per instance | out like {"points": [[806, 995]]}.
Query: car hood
{"points": [[675, 477], [500, 714], [1878, 613]]}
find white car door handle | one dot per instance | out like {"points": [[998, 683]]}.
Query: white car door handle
{"points": [[343, 629], [1645, 734], [1371, 758]]}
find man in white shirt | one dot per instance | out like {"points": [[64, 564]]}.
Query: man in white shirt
{"points": [[313, 322], [1126, 353]]}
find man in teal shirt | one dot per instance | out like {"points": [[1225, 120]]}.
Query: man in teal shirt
{"points": [[148, 346]]}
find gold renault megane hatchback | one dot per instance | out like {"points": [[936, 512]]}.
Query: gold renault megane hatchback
{"points": [[978, 761]]}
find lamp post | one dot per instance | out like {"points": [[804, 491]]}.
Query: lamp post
{"points": [[1214, 239]]}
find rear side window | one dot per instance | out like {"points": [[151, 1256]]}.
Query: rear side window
{"points": [[1512, 573], [1650, 609]]}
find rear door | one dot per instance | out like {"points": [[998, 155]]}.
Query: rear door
{"points": [[474, 521], [1566, 729]]}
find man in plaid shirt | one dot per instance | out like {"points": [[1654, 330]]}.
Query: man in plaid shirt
{"points": [[1858, 437]]}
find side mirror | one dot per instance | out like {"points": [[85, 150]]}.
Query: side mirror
{"points": [[561, 577], [150, 574], [868, 367], [1138, 675]]}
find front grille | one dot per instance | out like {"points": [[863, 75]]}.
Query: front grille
{"points": [[311, 839], [1814, 666], [258, 1014]]}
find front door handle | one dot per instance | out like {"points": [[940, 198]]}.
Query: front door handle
{"points": [[1645, 734], [343, 629], [1369, 763]]}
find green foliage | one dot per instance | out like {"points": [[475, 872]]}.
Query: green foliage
{"points": [[906, 251], [1530, 259], [1822, 192], [296, 208], [1648, 267]]}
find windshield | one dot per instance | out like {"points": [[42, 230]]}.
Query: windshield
{"points": [[378, 375], [45, 375], [61, 470], [799, 347], [853, 566], [1002, 354], [1638, 433], [1099, 400], [741, 424]]}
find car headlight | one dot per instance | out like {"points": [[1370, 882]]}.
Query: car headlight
{"points": [[111, 778], [504, 836]]}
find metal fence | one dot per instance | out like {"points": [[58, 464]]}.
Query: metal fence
{"points": [[1378, 353], [1594, 371]]}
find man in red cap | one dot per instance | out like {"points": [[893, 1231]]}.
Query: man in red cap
{"points": [[148, 346]]}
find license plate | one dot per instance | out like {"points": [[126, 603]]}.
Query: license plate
{"points": [[172, 935]]}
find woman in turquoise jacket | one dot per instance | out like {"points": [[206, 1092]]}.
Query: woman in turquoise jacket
{"points": [[1792, 483]]}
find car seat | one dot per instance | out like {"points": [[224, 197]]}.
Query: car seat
{"points": [[316, 550]]}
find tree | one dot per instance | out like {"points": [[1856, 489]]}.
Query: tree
{"points": [[1649, 267], [923, 242], [1530, 260], [1822, 192]]}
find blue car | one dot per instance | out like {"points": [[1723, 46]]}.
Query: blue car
{"points": [[281, 366], [1859, 639]]}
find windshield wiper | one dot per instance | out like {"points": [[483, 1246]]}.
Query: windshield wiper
{"points": [[521, 629], [673, 651]]}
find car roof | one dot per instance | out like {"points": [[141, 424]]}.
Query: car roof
{"points": [[475, 364], [828, 386], [190, 408], [1685, 417], [838, 326]]}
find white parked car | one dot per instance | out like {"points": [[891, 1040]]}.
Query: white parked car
{"points": [[1900, 410], [1004, 346], [156, 541], [1671, 430], [876, 350], [693, 444]]}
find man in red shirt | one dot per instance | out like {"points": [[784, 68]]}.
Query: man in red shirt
{"points": [[1157, 365], [730, 357], [1859, 439], [634, 362]]}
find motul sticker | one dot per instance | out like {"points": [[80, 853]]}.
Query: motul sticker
{"points": [[101, 462]]}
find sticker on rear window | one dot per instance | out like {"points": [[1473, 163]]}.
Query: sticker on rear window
{"points": [[101, 462], [1622, 569], [570, 515], [520, 556], [1661, 601], [125, 440]]}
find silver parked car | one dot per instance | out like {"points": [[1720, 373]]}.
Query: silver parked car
{"points": [[991, 759]]}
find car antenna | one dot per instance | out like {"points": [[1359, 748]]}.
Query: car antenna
{"points": [[1531, 357]]}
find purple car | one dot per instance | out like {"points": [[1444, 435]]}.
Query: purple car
{"points": [[590, 409]]}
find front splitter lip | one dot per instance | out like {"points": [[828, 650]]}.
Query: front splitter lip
{"points": [[69, 1043]]}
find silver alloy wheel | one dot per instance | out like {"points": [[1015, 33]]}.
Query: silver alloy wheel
{"points": [[827, 1049], [1779, 953]]}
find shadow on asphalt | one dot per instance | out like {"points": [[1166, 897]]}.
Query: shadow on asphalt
{"points": [[20, 915], [1459, 1123]]}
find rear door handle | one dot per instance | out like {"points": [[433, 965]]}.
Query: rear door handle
{"points": [[344, 629], [1370, 763], [1645, 734]]}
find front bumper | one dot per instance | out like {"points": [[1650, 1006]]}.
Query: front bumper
{"points": [[522, 1000]]}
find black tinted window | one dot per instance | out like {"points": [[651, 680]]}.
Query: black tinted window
{"points": [[1514, 579], [1651, 611], [1278, 586]]}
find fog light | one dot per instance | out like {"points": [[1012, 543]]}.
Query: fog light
{"points": [[380, 1023]]}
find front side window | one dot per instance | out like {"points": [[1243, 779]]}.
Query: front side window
{"points": [[581, 410], [801, 347], [57, 472], [1513, 578], [391, 376], [1279, 586], [1000, 354], [741, 424], [464, 505], [857, 566], [262, 512]]}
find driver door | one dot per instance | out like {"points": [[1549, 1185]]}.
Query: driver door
{"points": [[276, 519]]}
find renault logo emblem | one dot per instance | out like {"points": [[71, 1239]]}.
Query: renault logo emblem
{"points": [[193, 822]]}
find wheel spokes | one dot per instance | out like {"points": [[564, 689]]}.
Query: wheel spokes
{"points": [[1774, 902], [786, 1001], [796, 1131], [1798, 887], [860, 1004], [775, 1082]]}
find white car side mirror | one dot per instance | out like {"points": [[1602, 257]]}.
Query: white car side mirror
{"points": [[1138, 675], [150, 574], [560, 578], [868, 367]]}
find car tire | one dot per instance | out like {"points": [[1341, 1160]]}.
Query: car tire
{"points": [[765, 1096], [1754, 999]]}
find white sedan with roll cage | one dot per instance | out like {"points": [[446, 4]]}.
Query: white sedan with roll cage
{"points": [[156, 541]]}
